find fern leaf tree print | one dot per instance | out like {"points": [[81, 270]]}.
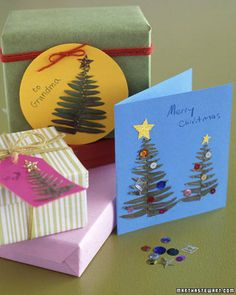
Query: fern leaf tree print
{"points": [[79, 110], [45, 185], [203, 180], [149, 190]]}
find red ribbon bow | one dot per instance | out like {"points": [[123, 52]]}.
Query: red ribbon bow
{"points": [[56, 57]]}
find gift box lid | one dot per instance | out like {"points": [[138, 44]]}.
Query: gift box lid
{"points": [[102, 27], [63, 161]]}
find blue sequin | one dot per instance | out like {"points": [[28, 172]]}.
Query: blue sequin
{"points": [[165, 240], [161, 184], [159, 250]]}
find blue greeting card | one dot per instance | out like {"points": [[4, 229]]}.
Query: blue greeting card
{"points": [[172, 147]]}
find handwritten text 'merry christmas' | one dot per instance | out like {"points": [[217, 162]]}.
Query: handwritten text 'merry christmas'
{"points": [[189, 115]]}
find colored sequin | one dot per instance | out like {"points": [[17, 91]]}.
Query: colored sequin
{"points": [[208, 155], [151, 261], [145, 248], [140, 184], [190, 249], [172, 252], [150, 200], [154, 256], [212, 191], [187, 192], [159, 250], [197, 166], [162, 211], [161, 184], [130, 209], [204, 177], [165, 240], [143, 153], [165, 262], [180, 258], [153, 165]]}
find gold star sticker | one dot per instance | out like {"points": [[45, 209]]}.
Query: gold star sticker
{"points": [[31, 166], [144, 129], [206, 139], [166, 262]]}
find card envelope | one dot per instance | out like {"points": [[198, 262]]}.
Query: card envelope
{"points": [[172, 148]]}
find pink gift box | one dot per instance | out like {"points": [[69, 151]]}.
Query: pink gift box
{"points": [[71, 252]]}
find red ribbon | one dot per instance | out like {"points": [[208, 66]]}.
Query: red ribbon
{"points": [[110, 51], [56, 57]]}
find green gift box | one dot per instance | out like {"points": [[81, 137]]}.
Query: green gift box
{"points": [[122, 30]]}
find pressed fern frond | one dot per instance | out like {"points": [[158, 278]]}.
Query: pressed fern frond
{"points": [[47, 186], [78, 108]]}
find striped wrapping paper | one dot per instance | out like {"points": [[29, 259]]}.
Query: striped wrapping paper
{"points": [[60, 215]]}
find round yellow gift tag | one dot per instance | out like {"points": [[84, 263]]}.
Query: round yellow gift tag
{"points": [[73, 87]]}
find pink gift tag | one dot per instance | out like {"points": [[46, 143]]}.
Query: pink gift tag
{"points": [[35, 181]]}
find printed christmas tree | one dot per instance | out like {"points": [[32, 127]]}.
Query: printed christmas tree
{"points": [[203, 178], [79, 110], [45, 185], [150, 189]]}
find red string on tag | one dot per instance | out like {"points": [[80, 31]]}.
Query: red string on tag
{"points": [[56, 57]]}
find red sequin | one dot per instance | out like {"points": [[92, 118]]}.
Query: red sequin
{"points": [[146, 248], [161, 211], [197, 166], [150, 199]]}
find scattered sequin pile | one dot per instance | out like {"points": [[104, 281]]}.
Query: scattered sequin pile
{"points": [[156, 253]]}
